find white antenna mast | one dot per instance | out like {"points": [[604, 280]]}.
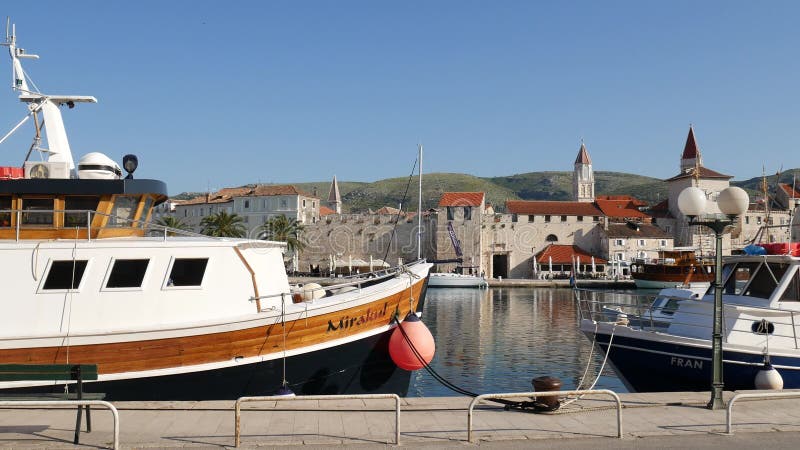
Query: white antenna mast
{"points": [[419, 207]]}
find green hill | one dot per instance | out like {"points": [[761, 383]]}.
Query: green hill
{"points": [[360, 196]]}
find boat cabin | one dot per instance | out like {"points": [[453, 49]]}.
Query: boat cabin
{"points": [[32, 208]]}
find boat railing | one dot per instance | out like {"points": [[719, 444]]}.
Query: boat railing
{"points": [[355, 282], [81, 219], [638, 311]]}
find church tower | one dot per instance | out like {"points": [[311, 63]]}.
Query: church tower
{"points": [[690, 158], [583, 177], [334, 199]]}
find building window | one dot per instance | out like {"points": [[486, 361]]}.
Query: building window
{"points": [[246, 204], [514, 218], [580, 218], [551, 238], [663, 243], [563, 218], [619, 242], [284, 203], [467, 213], [619, 256], [758, 220], [127, 273], [747, 220], [530, 218], [449, 213], [596, 219], [547, 218], [185, 213], [304, 203], [187, 272], [64, 275], [641, 242]]}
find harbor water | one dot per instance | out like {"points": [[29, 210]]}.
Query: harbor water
{"points": [[499, 339]]}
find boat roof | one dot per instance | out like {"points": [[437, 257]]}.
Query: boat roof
{"points": [[74, 186]]}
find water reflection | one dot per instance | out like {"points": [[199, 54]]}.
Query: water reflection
{"points": [[497, 340]]}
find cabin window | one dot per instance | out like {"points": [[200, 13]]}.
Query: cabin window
{"points": [[792, 292], [187, 272], [75, 210], [148, 203], [127, 273], [64, 275], [37, 211], [123, 211], [5, 212], [765, 280]]}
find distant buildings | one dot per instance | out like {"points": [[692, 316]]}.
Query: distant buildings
{"points": [[255, 204], [590, 234]]}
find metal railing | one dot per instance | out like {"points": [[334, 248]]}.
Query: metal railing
{"points": [[85, 224], [239, 401], [79, 403], [756, 395], [480, 398]]}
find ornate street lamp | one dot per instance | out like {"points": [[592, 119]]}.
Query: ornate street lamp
{"points": [[732, 202]]}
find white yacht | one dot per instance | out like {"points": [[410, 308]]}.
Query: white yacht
{"points": [[163, 314]]}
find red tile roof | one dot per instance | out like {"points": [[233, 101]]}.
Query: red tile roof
{"points": [[388, 210], [635, 201], [286, 189], [583, 156], [461, 199], [704, 173], [552, 207], [639, 230], [564, 254], [325, 211], [791, 192], [690, 150], [620, 209]]}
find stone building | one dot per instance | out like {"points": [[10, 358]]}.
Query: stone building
{"points": [[255, 204]]}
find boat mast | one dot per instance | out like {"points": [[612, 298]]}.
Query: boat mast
{"points": [[419, 207]]}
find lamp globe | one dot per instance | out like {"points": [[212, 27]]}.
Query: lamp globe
{"points": [[692, 201], [733, 201]]}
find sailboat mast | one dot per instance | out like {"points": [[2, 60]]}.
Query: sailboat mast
{"points": [[419, 207]]}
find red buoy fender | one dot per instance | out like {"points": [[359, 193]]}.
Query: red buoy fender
{"points": [[419, 335]]}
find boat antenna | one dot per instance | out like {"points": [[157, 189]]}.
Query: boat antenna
{"points": [[419, 207]]}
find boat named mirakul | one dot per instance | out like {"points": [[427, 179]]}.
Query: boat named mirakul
{"points": [[761, 316], [166, 315]]}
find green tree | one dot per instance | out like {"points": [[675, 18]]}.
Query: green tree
{"points": [[172, 222], [223, 224], [284, 229]]}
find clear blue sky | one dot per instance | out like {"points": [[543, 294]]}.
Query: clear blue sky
{"points": [[215, 94]]}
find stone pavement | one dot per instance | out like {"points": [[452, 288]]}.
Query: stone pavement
{"points": [[424, 422]]}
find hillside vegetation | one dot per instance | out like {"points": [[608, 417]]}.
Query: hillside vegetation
{"points": [[362, 197]]}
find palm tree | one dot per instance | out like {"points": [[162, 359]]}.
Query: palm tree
{"points": [[284, 229], [223, 224], [172, 222]]}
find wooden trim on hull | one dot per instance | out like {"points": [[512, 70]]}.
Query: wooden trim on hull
{"points": [[137, 356]]}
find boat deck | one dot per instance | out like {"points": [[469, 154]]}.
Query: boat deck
{"points": [[424, 422]]}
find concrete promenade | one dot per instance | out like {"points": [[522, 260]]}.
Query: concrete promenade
{"points": [[665, 420]]}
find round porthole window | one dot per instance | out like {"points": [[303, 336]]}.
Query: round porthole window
{"points": [[762, 327]]}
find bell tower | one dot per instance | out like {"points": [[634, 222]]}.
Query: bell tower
{"points": [[583, 177]]}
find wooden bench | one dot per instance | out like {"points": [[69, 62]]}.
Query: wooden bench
{"points": [[54, 372]]}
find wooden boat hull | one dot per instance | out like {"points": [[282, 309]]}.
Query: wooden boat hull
{"points": [[342, 351]]}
